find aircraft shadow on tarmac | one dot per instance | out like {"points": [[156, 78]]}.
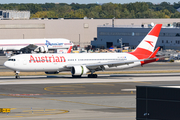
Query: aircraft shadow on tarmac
{"points": [[118, 76], [61, 77]]}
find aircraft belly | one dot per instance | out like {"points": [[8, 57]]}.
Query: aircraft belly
{"points": [[38, 67]]}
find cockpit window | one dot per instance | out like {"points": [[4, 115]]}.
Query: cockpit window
{"points": [[11, 59]]}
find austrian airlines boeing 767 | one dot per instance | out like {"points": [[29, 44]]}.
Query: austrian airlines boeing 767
{"points": [[82, 63]]}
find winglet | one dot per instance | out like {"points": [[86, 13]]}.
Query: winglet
{"points": [[154, 53], [69, 50]]}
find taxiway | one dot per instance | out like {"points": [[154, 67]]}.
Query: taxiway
{"points": [[61, 97]]}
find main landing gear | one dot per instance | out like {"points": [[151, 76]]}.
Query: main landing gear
{"points": [[16, 75], [92, 75], [89, 75], [76, 76]]}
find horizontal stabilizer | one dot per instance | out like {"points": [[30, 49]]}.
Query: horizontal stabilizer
{"points": [[154, 53]]}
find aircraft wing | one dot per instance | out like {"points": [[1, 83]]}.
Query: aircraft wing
{"points": [[109, 63], [30, 47]]}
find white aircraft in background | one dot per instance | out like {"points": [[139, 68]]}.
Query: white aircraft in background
{"points": [[38, 45], [82, 63]]}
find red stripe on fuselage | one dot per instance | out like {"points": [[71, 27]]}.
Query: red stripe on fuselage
{"points": [[141, 53], [156, 30]]}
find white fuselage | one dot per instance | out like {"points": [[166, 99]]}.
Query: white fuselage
{"points": [[58, 62], [17, 44]]}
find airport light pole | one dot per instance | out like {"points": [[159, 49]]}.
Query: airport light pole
{"points": [[79, 40], [120, 41], [113, 21]]}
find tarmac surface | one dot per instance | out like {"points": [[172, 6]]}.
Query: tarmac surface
{"points": [[2, 67], [63, 97]]}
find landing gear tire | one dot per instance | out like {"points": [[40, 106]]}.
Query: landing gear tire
{"points": [[17, 76], [76, 76], [92, 76]]}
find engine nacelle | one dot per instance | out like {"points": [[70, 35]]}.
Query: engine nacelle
{"points": [[79, 70], [55, 72], [43, 49]]}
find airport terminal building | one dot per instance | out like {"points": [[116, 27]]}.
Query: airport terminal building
{"points": [[130, 36], [83, 31]]}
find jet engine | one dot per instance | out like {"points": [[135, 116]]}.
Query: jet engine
{"points": [[55, 72], [43, 49], [79, 70]]}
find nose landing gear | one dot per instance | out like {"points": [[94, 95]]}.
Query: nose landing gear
{"points": [[16, 75]]}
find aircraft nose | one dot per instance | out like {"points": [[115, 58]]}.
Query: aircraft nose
{"points": [[6, 64], [9, 64]]}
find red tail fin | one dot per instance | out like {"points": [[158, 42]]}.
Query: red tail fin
{"points": [[147, 45], [69, 50]]}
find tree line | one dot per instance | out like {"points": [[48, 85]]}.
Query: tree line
{"points": [[98, 11]]}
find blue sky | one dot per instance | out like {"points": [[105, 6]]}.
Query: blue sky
{"points": [[81, 1]]}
